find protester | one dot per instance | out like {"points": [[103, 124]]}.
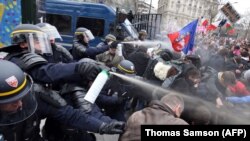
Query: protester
{"points": [[110, 58], [164, 112], [81, 48]]}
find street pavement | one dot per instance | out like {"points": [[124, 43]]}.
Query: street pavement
{"points": [[106, 137]]}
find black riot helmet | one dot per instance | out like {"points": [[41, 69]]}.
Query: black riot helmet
{"points": [[15, 86], [82, 33], [126, 67], [37, 41]]}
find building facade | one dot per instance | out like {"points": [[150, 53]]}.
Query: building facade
{"points": [[143, 7], [184, 11]]}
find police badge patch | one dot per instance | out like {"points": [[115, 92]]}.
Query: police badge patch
{"points": [[12, 81]]}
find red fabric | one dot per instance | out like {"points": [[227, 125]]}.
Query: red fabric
{"points": [[236, 52], [231, 32], [211, 27], [239, 89], [228, 25], [177, 45], [173, 38], [205, 23]]}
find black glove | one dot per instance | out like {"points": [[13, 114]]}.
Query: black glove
{"points": [[103, 66], [119, 100], [114, 44], [115, 127], [88, 71], [80, 103], [86, 106]]}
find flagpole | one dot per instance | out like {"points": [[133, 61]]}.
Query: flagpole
{"points": [[149, 12], [219, 32], [220, 25], [246, 34]]}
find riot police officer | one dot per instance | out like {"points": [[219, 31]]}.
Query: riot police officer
{"points": [[60, 54], [108, 39], [17, 103], [31, 39], [21, 112], [31, 42], [73, 94], [121, 91], [81, 48]]}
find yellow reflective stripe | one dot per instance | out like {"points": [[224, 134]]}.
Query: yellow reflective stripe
{"points": [[14, 91], [25, 31], [77, 33], [127, 71]]}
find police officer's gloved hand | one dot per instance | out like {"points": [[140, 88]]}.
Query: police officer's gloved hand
{"points": [[88, 71], [115, 127], [114, 44], [103, 66], [86, 106]]}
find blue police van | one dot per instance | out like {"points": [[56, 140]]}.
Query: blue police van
{"points": [[67, 16]]}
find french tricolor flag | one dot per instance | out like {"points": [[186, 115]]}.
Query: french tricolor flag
{"points": [[213, 26], [204, 22]]}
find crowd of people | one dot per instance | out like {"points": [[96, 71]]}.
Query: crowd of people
{"points": [[42, 80]]}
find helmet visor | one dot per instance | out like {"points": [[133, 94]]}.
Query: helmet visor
{"points": [[18, 110], [39, 43], [52, 32], [89, 35]]}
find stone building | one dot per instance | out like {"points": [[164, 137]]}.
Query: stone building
{"points": [[184, 11], [143, 7]]}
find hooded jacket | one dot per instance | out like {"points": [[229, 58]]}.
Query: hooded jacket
{"points": [[157, 113]]}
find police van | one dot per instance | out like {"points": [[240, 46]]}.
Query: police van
{"points": [[101, 19]]}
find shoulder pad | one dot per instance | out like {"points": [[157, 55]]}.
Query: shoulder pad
{"points": [[60, 48], [30, 60], [49, 96], [7, 50], [63, 51]]}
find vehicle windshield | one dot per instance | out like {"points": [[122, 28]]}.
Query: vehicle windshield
{"points": [[129, 27]]}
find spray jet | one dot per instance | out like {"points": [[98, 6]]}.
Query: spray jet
{"points": [[153, 47], [150, 44], [156, 92]]}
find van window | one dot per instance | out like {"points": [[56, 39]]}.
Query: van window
{"points": [[96, 26], [61, 22]]}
